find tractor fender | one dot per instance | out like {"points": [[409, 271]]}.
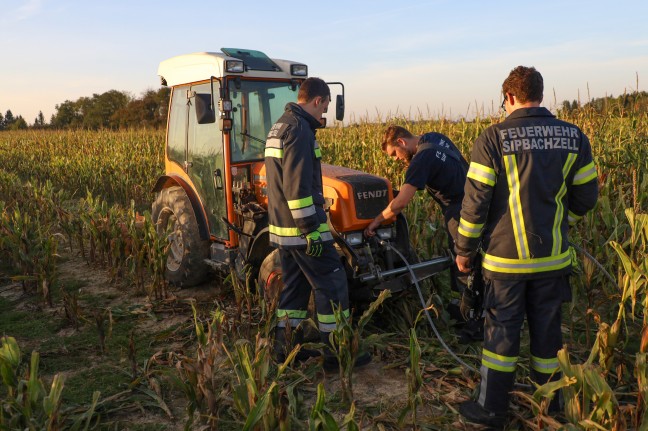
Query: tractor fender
{"points": [[166, 181], [259, 247]]}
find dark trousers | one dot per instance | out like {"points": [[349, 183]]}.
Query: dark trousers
{"points": [[506, 302], [326, 277]]}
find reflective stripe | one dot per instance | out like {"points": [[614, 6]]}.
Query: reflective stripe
{"points": [[515, 207], [470, 230], [292, 236], [544, 366], [292, 322], [294, 231], [326, 327], [498, 362], [292, 314], [274, 152], [290, 241], [573, 218], [303, 212], [585, 174], [556, 232], [482, 173], [330, 318], [274, 143], [526, 266], [300, 203]]}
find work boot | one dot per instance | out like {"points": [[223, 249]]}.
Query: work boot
{"points": [[281, 348], [331, 362], [474, 412]]}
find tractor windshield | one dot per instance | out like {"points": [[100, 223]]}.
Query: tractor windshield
{"points": [[256, 106]]}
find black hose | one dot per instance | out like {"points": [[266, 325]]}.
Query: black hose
{"points": [[425, 309]]}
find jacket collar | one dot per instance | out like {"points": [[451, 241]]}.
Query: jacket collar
{"points": [[530, 112], [298, 110]]}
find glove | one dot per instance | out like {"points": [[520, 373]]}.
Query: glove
{"points": [[314, 245]]}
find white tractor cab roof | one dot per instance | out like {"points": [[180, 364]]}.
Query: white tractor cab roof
{"points": [[200, 66]]}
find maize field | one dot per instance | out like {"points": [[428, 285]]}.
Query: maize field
{"points": [[93, 337]]}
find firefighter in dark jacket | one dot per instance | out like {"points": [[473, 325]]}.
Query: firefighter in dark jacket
{"points": [[434, 164], [298, 224], [530, 177]]}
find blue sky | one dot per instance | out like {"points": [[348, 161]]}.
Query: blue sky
{"points": [[395, 57]]}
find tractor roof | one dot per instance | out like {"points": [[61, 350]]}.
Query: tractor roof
{"points": [[201, 66]]}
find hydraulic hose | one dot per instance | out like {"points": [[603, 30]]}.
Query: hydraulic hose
{"points": [[425, 308], [431, 322]]}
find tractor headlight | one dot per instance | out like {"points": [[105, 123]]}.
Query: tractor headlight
{"points": [[234, 66], [384, 233], [298, 70], [354, 238]]}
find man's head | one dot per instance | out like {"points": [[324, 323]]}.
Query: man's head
{"points": [[399, 143], [314, 97], [524, 85]]}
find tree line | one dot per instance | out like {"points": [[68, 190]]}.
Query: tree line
{"points": [[620, 106], [117, 110], [110, 110]]}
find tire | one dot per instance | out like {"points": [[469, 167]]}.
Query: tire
{"points": [[270, 280], [172, 212]]}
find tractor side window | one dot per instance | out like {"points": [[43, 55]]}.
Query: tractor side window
{"points": [[177, 130]]}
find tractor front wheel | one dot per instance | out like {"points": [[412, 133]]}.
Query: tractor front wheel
{"points": [[172, 213]]}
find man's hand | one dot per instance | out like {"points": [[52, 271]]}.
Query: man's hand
{"points": [[314, 245], [463, 263], [371, 229]]}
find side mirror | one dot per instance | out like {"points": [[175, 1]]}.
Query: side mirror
{"points": [[204, 112], [339, 107]]}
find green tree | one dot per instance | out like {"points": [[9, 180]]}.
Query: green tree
{"points": [[18, 123]]}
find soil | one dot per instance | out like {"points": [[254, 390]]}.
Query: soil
{"points": [[379, 385]]}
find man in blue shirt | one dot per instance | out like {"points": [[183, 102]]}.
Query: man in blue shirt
{"points": [[434, 164]]}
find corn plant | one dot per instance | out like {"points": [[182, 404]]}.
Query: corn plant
{"points": [[346, 341], [27, 405]]}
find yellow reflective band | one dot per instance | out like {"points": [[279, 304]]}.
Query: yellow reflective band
{"points": [[274, 152], [498, 362], [330, 318], [515, 207], [300, 203], [470, 230], [526, 266], [573, 218], [292, 314], [544, 366], [294, 231], [585, 174], [556, 231], [482, 173]]}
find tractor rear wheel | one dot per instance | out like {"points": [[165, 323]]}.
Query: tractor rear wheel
{"points": [[172, 212]]}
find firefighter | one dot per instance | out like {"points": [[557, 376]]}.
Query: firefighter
{"points": [[435, 164], [298, 225], [530, 177]]}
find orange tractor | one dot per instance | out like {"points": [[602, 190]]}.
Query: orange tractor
{"points": [[212, 198]]}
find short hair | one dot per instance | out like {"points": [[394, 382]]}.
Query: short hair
{"points": [[392, 134], [525, 83], [312, 88]]}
